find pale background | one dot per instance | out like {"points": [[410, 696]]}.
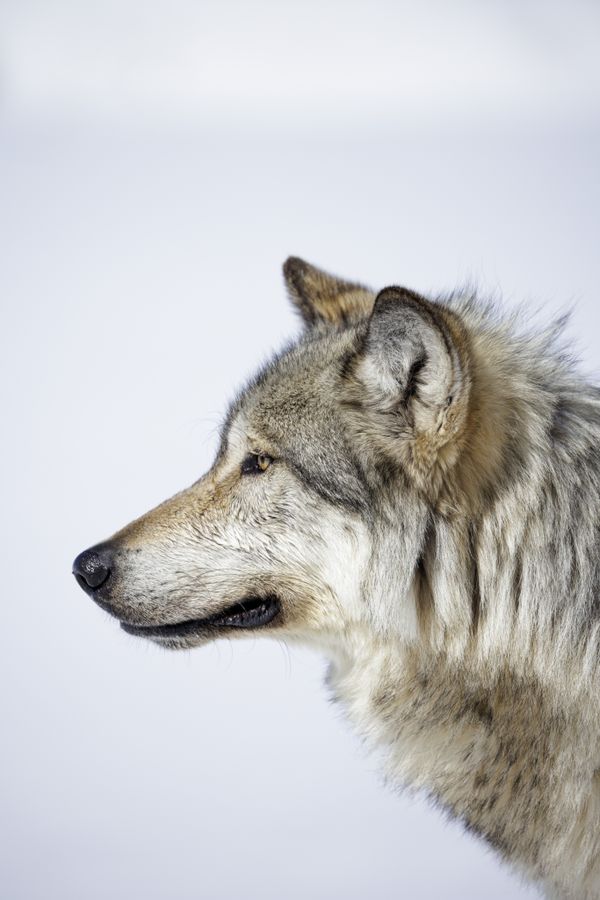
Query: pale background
{"points": [[158, 161]]}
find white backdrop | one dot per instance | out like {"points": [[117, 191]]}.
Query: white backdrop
{"points": [[157, 164]]}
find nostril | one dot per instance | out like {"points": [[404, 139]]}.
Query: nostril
{"points": [[81, 581], [91, 570]]}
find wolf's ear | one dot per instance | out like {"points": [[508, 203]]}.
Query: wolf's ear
{"points": [[414, 375], [323, 299]]}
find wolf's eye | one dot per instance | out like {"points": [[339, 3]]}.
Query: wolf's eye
{"points": [[255, 463]]}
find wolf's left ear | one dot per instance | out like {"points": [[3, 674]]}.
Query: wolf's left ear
{"points": [[323, 299], [413, 375]]}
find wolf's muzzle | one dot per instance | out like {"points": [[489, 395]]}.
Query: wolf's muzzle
{"points": [[93, 567]]}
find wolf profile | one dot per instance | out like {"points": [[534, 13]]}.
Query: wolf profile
{"points": [[413, 487]]}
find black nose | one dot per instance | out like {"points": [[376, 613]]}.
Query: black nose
{"points": [[92, 568]]}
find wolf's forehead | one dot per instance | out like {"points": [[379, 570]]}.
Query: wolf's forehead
{"points": [[293, 406], [295, 390], [292, 410]]}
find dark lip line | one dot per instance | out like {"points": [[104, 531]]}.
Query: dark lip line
{"points": [[215, 622]]}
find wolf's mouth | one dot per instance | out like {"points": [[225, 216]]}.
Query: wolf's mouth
{"points": [[252, 612]]}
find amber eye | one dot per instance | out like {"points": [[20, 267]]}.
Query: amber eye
{"points": [[255, 463]]}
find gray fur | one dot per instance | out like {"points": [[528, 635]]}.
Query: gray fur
{"points": [[430, 520]]}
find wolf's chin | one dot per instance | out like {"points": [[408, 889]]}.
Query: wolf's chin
{"points": [[248, 614]]}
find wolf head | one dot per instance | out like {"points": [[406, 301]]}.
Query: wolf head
{"points": [[314, 516]]}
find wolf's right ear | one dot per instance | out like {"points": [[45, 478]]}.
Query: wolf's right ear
{"points": [[323, 299]]}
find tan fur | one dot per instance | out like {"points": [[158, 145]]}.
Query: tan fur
{"points": [[320, 298]]}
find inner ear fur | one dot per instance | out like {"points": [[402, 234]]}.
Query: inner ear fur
{"points": [[324, 299], [414, 379]]}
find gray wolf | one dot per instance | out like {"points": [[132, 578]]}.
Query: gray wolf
{"points": [[412, 486]]}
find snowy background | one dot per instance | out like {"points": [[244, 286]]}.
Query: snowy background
{"points": [[158, 162]]}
